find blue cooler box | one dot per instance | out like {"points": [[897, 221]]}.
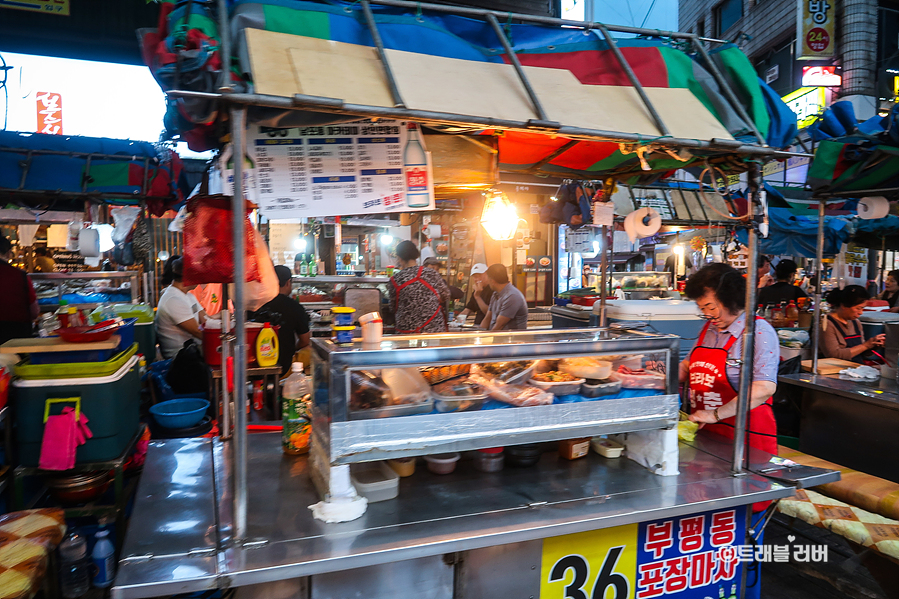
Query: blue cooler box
{"points": [[110, 403], [668, 317]]}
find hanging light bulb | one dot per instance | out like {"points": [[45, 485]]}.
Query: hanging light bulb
{"points": [[299, 244], [386, 239], [499, 217], [678, 249]]}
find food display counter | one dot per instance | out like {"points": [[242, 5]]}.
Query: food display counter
{"points": [[468, 534], [86, 289]]}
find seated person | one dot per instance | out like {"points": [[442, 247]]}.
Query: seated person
{"points": [[179, 315], [843, 338], [290, 316], [783, 290]]}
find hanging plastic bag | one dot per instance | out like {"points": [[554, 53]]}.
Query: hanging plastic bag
{"points": [[74, 232], [177, 224], [124, 219], [257, 294], [209, 243]]}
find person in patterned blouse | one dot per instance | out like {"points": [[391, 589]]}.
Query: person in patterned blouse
{"points": [[418, 295]]}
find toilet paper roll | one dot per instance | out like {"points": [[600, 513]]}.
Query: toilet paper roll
{"points": [[873, 207], [89, 242], [644, 222]]}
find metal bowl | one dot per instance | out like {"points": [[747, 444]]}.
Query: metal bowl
{"points": [[78, 488]]}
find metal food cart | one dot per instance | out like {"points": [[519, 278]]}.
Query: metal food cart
{"points": [[233, 515]]}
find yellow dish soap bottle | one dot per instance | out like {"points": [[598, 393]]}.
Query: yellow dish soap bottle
{"points": [[267, 346]]}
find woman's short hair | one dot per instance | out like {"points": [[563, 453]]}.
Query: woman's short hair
{"points": [[894, 274], [848, 297], [724, 281], [406, 250]]}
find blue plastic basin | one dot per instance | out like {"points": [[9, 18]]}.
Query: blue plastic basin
{"points": [[180, 413]]}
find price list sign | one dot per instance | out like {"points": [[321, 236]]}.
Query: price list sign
{"points": [[353, 168]]}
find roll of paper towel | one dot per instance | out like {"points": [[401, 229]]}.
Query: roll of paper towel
{"points": [[89, 242], [644, 222], [873, 207]]}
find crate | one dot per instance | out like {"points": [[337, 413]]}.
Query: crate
{"points": [[30, 371], [111, 404], [145, 335], [126, 338]]}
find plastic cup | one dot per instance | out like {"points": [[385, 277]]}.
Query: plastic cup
{"points": [[372, 331], [370, 317]]}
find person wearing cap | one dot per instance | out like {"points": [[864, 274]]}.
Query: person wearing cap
{"points": [[289, 316], [481, 294], [179, 315]]}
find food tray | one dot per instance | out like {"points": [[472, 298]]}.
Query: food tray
{"points": [[459, 404], [559, 388], [408, 409], [631, 381], [438, 374], [27, 370], [518, 378], [599, 389], [601, 370]]}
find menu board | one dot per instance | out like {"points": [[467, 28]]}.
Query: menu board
{"points": [[335, 170]]}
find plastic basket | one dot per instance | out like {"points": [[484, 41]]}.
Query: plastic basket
{"points": [[27, 370]]}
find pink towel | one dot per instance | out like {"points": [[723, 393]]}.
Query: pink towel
{"points": [[62, 436]]}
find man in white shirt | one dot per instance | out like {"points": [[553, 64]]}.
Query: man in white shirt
{"points": [[179, 314]]}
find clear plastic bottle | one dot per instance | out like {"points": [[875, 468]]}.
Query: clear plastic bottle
{"points": [[103, 557], [296, 407], [74, 567]]}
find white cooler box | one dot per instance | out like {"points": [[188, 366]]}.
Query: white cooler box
{"points": [[668, 317]]}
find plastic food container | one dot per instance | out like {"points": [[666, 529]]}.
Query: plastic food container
{"points": [[606, 447], [402, 466], [523, 456], [600, 388], [342, 316], [489, 460], [343, 334], [375, 481], [442, 463], [560, 388], [572, 449], [446, 402], [654, 380], [597, 369]]}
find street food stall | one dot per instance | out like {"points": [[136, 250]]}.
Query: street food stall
{"points": [[233, 514]]}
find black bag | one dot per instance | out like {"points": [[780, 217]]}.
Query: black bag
{"points": [[189, 372]]}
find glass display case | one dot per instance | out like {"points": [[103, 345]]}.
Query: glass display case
{"points": [[85, 289], [643, 285], [395, 399], [324, 291]]}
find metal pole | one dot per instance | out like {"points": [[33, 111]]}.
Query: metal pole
{"points": [[498, 30], [663, 130], [227, 339], [745, 387], [728, 92], [603, 266], [819, 268], [225, 35], [382, 54], [238, 139]]}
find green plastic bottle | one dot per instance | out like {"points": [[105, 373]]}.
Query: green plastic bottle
{"points": [[296, 406], [313, 266]]}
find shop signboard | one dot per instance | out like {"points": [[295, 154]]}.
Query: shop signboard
{"points": [[821, 77], [815, 29], [580, 241], [49, 113], [686, 557], [350, 168], [807, 103], [56, 7], [544, 264]]}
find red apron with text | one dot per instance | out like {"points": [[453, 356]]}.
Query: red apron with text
{"points": [[709, 388], [417, 279]]}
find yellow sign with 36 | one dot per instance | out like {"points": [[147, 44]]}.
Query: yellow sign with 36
{"points": [[590, 565]]}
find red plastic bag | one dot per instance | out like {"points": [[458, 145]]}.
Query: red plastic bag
{"points": [[208, 243]]}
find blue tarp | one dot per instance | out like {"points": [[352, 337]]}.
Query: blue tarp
{"points": [[793, 235]]}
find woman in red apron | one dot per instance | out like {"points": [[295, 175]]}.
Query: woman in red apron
{"points": [[712, 370], [418, 295], [843, 337]]}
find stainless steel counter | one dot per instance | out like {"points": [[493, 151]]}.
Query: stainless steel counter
{"points": [[179, 541], [850, 423]]}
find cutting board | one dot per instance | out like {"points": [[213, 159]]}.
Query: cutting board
{"points": [[829, 365], [35, 345]]}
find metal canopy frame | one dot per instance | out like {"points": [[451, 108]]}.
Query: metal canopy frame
{"points": [[239, 102]]}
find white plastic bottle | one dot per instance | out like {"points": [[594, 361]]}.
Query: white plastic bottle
{"points": [[103, 557], [415, 165], [296, 412]]}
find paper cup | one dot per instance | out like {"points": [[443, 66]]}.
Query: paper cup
{"points": [[372, 331]]}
